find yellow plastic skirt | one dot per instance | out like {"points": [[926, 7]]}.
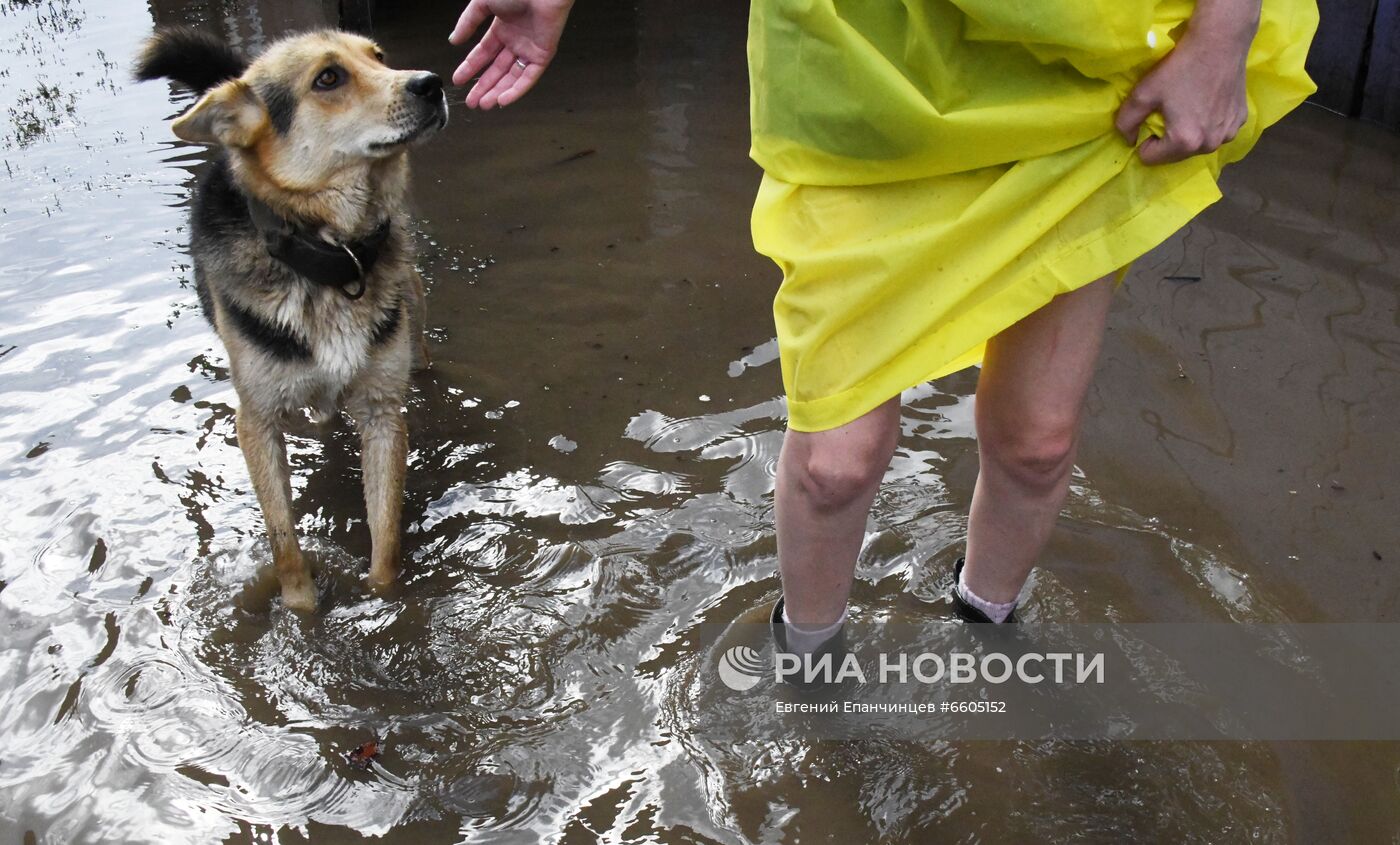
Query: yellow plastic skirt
{"points": [[936, 170]]}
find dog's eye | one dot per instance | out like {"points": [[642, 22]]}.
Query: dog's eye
{"points": [[379, 55], [329, 78]]}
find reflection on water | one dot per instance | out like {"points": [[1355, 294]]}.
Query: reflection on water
{"points": [[591, 478]]}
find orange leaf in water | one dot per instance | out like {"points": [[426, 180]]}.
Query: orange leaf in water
{"points": [[362, 757]]}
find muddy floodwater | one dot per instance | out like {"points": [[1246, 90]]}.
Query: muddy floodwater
{"points": [[591, 476]]}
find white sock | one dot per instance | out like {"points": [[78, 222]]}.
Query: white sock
{"points": [[996, 611], [805, 639]]}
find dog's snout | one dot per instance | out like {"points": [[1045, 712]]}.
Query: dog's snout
{"points": [[426, 85]]}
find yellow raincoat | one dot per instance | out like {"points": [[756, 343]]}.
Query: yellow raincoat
{"points": [[935, 170]]}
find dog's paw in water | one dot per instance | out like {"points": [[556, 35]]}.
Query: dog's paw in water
{"points": [[299, 595]]}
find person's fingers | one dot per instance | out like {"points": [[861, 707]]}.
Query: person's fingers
{"points": [[523, 83], [1155, 151], [473, 16], [465, 72], [492, 98], [479, 58], [1232, 129], [499, 68], [1179, 144], [1215, 139], [1135, 109]]}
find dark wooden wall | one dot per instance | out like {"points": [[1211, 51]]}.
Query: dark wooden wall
{"points": [[1355, 59], [358, 14], [1381, 99]]}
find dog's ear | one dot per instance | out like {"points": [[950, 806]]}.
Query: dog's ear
{"points": [[231, 115]]}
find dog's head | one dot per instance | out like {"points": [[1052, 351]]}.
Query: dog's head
{"points": [[309, 106]]}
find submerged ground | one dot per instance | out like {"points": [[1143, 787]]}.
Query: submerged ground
{"points": [[591, 475]]}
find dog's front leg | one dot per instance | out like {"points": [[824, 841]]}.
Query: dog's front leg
{"points": [[265, 451], [384, 448]]}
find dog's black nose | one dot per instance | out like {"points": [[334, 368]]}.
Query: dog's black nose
{"points": [[426, 85]]}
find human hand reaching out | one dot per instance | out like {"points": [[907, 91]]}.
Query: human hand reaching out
{"points": [[518, 45], [1199, 87]]}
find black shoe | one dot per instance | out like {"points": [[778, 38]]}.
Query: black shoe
{"points": [[835, 645], [965, 611]]}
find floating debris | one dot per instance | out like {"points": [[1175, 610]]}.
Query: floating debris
{"points": [[364, 756]]}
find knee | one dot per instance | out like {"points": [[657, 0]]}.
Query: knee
{"points": [[373, 412], [1037, 455], [835, 478]]}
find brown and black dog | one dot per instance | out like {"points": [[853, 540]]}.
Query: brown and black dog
{"points": [[303, 262]]}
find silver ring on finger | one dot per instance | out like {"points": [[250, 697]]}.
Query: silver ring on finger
{"points": [[521, 63]]}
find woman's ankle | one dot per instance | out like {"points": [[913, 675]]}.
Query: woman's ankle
{"points": [[803, 638], [976, 608], [995, 611], [991, 590]]}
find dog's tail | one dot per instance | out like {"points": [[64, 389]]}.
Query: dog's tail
{"points": [[198, 60]]}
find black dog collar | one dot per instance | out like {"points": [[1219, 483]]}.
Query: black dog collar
{"points": [[342, 266]]}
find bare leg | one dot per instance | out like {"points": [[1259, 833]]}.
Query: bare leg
{"points": [[1029, 398], [825, 486], [265, 452]]}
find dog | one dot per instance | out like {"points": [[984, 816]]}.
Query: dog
{"points": [[302, 259]]}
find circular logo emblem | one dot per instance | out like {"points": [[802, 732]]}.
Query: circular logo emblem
{"points": [[741, 668]]}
